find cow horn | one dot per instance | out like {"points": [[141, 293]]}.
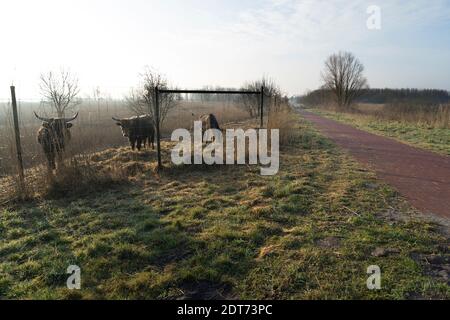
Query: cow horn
{"points": [[71, 119], [115, 119], [40, 118]]}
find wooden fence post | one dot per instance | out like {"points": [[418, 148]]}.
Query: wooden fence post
{"points": [[17, 136], [158, 136], [262, 106]]}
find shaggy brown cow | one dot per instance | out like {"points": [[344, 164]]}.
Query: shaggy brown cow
{"points": [[53, 136], [139, 130]]}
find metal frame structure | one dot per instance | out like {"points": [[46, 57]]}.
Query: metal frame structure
{"points": [[163, 91]]}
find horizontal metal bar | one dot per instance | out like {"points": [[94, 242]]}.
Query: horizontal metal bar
{"points": [[209, 92]]}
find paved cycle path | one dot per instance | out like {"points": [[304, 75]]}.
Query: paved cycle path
{"points": [[421, 176]]}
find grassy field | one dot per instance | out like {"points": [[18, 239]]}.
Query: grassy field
{"points": [[204, 232], [420, 135]]}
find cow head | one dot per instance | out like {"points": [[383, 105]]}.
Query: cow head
{"points": [[58, 127], [125, 125]]}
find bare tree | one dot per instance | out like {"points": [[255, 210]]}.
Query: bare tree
{"points": [[142, 100], [343, 75], [60, 91], [250, 103]]}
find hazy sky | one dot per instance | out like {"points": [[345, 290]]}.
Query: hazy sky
{"points": [[211, 42]]}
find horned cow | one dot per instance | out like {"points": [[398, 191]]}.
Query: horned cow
{"points": [[139, 130], [53, 135]]}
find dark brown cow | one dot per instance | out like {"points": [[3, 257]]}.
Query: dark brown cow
{"points": [[139, 130], [209, 121], [53, 136]]}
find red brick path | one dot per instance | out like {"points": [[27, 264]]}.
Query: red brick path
{"points": [[421, 176]]}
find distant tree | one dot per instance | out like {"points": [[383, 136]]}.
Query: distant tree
{"points": [[343, 75], [60, 91], [141, 100], [318, 97]]}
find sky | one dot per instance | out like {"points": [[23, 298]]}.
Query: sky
{"points": [[108, 43]]}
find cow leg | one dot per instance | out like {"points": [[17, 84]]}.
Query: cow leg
{"points": [[59, 158], [139, 144], [132, 143], [50, 160]]}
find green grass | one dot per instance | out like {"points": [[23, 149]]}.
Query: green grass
{"points": [[208, 232], [419, 135]]}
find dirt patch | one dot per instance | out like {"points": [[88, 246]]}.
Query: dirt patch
{"points": [[436, 266], [329, 242], [384, 252]]}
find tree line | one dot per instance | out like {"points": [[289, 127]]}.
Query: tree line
{"points": [[381, 96]]}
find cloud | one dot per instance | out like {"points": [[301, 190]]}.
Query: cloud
{"points": [[319, 22]]}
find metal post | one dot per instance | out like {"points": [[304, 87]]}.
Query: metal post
{"points": [[158, 136], [18, 144], [262, 106]]}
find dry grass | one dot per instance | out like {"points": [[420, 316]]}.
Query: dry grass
{"points": [[282, 117], [77, 176], [81, 176], [436, 116], [370, 108]]}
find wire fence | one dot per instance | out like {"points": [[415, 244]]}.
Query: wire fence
{"points": [[94, 130]]}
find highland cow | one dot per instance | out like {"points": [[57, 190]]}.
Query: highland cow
{"points": [[139, 130], [53, 136]]}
